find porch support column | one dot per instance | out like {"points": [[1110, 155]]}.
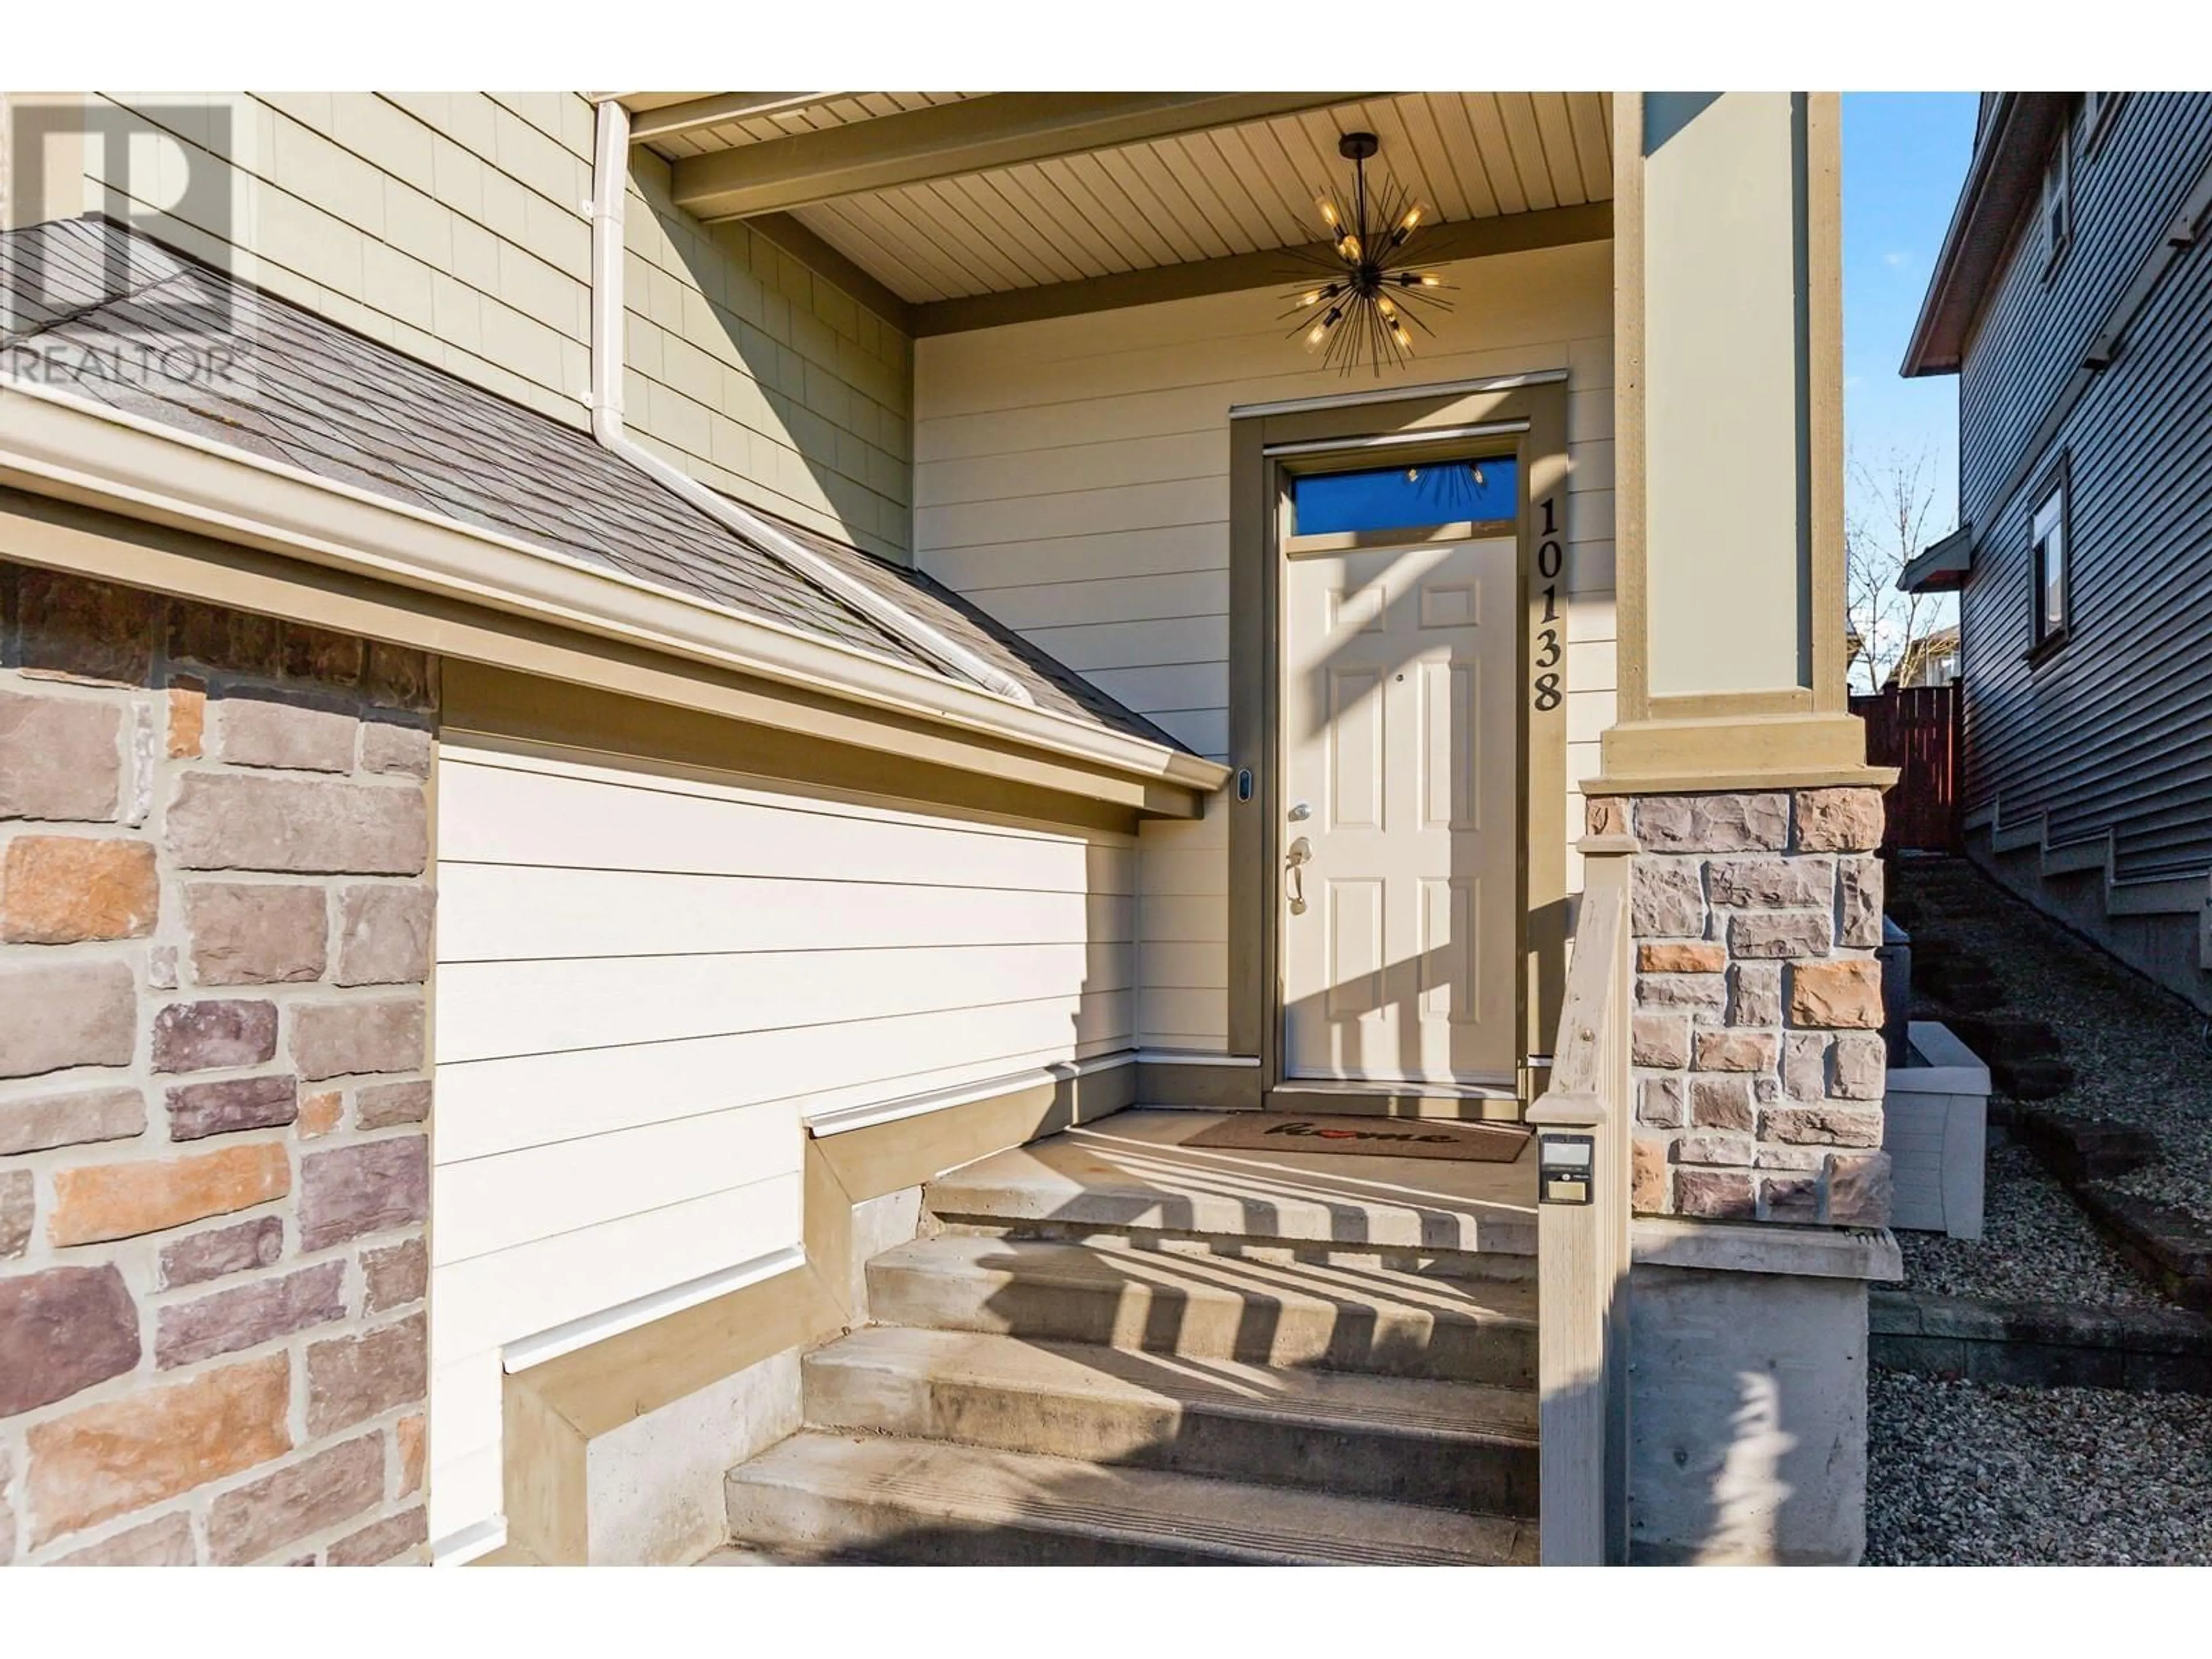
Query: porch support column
{"points": [[1757, 1174], [1729, 439], [1736, 763]]}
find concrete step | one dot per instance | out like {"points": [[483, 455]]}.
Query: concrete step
{"points": [[1134, 1175], [1427, 1264], [1446, 1445], [1117, 1295], [831, 1498]]}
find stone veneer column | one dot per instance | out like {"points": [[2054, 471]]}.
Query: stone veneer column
{"points": [[215, 936], [1757, 1045]]}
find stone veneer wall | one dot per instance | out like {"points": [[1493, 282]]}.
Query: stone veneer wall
{"points": [[214, 929], [1758, 1046]]}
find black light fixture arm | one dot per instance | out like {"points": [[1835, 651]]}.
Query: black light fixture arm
{"points": [[1361, 279]]}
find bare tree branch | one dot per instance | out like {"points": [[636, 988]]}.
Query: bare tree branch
{"points": [[1889, 631]]}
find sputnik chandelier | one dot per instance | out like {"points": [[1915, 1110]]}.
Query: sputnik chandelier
{"points": [[1366, 308]]}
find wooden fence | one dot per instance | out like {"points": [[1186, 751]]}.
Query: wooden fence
{"points": [[1917, 731]]}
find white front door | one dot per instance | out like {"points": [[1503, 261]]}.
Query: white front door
{"points": [[1399, 869]]}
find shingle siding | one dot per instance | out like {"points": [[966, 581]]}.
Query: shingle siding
{"points": [[456, 227], [2114, 729], [760, 378]]}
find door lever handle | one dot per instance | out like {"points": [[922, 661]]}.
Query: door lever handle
{"points": [[1295, 858]]}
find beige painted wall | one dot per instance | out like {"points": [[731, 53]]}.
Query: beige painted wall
{"points": [[1071, 476], [647, 982], [1722, 340], [456, 227]]}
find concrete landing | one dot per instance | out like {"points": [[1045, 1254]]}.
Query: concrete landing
{"points": [[1134, 1172]]}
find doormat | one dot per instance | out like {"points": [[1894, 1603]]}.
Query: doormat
{"points": [[1367, 1137]]}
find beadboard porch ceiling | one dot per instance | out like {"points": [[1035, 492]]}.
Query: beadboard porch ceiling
{"points": [[946, 197]]}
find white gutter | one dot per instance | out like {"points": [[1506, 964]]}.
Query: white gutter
{"points": [[610, 192], [52, 443]]}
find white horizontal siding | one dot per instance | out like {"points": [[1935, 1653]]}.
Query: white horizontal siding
{"points": [[492, 1011], [508, 912], [1080, 552], [503, 812], [534, 1286], [1072, 477], [1036, 607], [645, 983], [489, 1107], [499, 1203], [1103, 646]]}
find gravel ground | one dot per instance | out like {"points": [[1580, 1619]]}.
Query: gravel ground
{"points": [[1972, 1474], [2139, 1052], [2036, 1245]]}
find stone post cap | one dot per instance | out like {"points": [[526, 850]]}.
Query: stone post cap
{"points": [[1606, 847]]}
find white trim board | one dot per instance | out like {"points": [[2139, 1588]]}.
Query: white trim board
{"points": [[478, 1538], [843, 1118], [1439, 435], [1399, 394], [581, 1333]]}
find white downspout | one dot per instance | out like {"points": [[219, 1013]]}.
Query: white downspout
{"points": [[610, 192]]}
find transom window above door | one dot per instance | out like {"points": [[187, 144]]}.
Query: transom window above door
{"points": [[1411, 495]]}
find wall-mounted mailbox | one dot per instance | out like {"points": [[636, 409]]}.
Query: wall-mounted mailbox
{"points": [[1563, 1166]]}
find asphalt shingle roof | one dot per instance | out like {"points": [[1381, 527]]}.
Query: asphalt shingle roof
{"points": [[319, 396]]}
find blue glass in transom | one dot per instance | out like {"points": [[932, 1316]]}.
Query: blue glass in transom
{"points": [[1409, 496]]}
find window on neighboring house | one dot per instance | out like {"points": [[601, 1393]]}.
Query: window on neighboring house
{"points": [[2047, 543], [2059, 199]]}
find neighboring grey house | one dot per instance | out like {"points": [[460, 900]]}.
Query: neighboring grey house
{"points": [[2074, 301]]}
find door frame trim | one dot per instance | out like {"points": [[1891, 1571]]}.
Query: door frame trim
{"points": [[1259, 445]]}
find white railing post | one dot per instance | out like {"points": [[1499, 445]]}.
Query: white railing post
{"points": [[1582, 1247]]}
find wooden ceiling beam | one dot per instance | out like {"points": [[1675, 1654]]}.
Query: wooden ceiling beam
{"points": [[998, 130], [1284, 268]]}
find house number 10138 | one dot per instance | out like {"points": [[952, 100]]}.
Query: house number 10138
{"points": [[1551, 560]]}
